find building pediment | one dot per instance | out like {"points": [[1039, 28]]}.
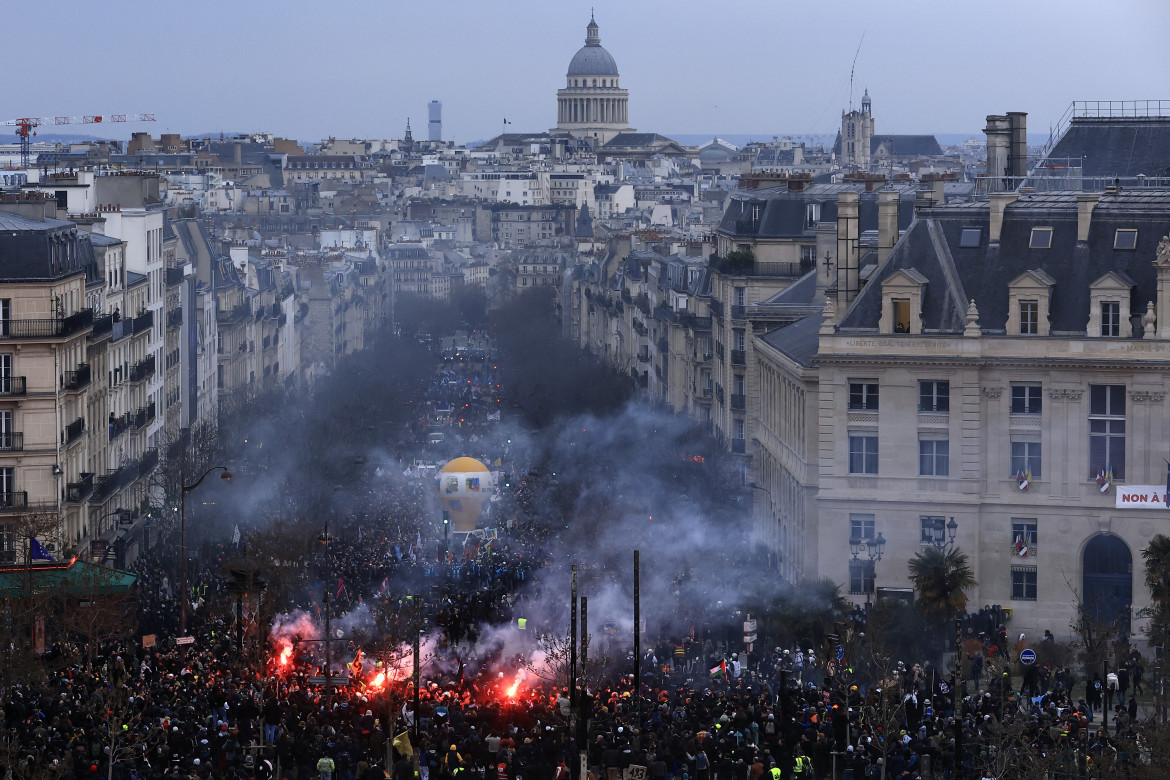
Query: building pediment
{"points": [[1033, 280], [1113, 280], [904, 279]]}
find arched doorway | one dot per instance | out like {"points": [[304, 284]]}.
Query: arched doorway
{"points": [[1108, 583]]}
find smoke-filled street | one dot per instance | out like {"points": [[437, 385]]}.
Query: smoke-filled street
{"points": [[388, 580]]}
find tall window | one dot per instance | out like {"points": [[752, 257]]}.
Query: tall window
{"points": [[812, 214], [1023, 583], [1029, 318], [1026, 399], [739, 339], [863, 396], [1110, 318], [901, 316], [740, 295], [863, 454], [861, 526], [5, 315], [1107, 430], [934, 457], [860, 576], [1026, 458], [1024, 533], [934, 396], [7, 486]]}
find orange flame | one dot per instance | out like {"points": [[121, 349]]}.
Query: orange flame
{"points": [[286, 655], [379, 680], [512, 690]]}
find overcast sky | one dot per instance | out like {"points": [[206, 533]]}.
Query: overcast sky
{"points": [[308, 70]]}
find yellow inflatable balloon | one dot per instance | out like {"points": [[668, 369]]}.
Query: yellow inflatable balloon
{"points": [[465, 487]]}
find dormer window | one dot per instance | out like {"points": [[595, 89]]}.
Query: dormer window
{"points": [[1125, 238], [812, 214], [1028, 298], [902, 293], [1109, 312], [1041, 238], [970, 238]]}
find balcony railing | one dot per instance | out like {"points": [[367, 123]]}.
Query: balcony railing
{"points": [[121, 329], [13, 500], [148, 462], [273, 311], [11, 441], [142, 370], [737, 312], [738, 357], [739, 446], [738, 402], [73, 431], [102, 325], [238, 314], [76, 379], [76, 492], [119, 425], [112, 482], [716, 307], [174, 318], [12, 385], [174, 276], [144, 322], [47, 328], [144, 416]]}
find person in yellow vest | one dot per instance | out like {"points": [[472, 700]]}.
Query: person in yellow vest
{"points": [[802, 767], [774, 771], [522, 624]]}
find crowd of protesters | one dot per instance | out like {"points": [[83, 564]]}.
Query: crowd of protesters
{"points": [[225, 707]]}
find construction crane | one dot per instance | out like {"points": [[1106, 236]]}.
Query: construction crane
{"points": [[25, 127]]}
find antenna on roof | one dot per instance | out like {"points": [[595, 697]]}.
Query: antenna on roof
{"points": [[852, 67]]}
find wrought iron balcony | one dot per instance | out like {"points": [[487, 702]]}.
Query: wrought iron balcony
{"points": [[11, 441], [142, 370], [119, 425], [13, 500], [102, 325], [174, 318], [12, 385], [144, 416], [738, 402], [76, 379], [738, 357], [77, 492], [47, 328], [739, 446], [174, 276], [73, 432], [144, 322], [148, 462]]}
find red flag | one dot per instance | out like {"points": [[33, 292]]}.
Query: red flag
{"points": [[340, 587]]}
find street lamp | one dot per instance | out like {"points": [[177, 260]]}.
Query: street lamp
{"points": [[942, 535], [326, 539], [872, 549], [185, 489]]}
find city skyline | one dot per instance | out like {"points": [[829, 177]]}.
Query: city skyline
{"points": [[361, 71]]}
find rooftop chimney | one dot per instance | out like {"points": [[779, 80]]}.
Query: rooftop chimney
{"points": [[847, 241], [887, 223], [1086, 202], [999, 140], [1018, 152], [999, 202]]}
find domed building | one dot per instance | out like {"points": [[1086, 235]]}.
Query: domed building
{"points": [[592, 105]]}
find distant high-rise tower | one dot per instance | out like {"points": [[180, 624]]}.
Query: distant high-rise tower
{"points": [[435, 128]]}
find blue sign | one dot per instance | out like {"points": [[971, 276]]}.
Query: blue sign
{"points": [[1028, 657], [840, 652]]}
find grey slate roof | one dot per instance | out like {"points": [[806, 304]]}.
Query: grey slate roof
{"points": [[1115, 146], [956, 274], [624, 140], [798, 341]]}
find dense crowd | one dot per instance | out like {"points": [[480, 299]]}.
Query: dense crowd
{"points": [[229, 706]]}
